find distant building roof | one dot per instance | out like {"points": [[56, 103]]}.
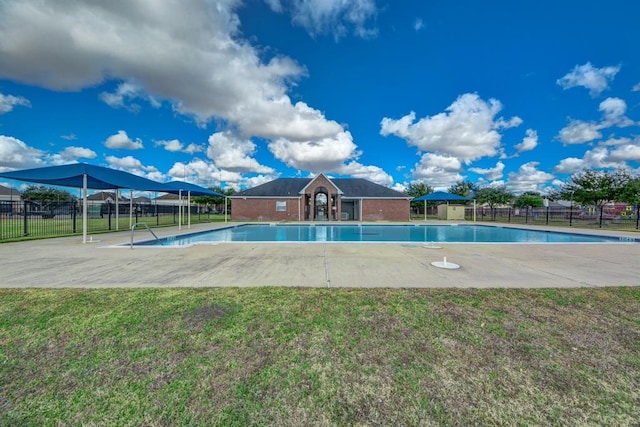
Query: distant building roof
{"points": [[167, 196], [350, 187], [104, 196], [11, 192], [141, 199]]}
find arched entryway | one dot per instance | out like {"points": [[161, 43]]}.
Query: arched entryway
{"points": [[321, 204]]}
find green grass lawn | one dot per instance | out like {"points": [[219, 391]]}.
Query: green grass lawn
{"points": [[12, 229], [287, 356]]}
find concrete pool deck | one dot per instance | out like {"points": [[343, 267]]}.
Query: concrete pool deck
{"points": [[67, 262]]}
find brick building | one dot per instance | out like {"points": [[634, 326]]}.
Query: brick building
{"points": [[320, 199]]}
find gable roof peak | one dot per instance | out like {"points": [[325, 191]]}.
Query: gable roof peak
{"points": [[321, 174]]}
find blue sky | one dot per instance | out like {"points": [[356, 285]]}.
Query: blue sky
{"points": [[237, 93]]}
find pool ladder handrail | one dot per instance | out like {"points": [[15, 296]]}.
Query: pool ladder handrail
{"points": [[133, 228]]}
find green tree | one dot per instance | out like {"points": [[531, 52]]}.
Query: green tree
{"points": [[630, 192], [463, 188], [42, 193], [494, 196], [591, 187], [528, 198], [216, 201], [417, 189]]}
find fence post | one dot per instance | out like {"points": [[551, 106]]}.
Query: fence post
{"points": [[548, 207], [526, 215], [637, 215], [74, 208], [509, 220], [108, 215], [26, 215], [571, 214], [601, 211]]}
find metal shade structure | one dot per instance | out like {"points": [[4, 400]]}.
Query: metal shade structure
{"points": [[440, 196], [195, 190], [85, 176], [181, 187], [97, 178]]}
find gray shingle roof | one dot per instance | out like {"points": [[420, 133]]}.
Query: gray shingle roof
{"points": [[6, 191], [350, 187], [358, 187], [282, 187], [105, 195]]}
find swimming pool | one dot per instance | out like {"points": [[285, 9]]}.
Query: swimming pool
{"points": [[413, 233]]}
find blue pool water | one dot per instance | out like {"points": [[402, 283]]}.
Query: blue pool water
{"points": [[379, 233]]}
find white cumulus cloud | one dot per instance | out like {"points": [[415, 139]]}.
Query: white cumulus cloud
{"points": [[121, 141], [528, 178], [175, 146], [529, 142], [590, 77], [321, 155], [597, 158], [438, 171], [71, 154], [15, 154], [125, 95], [336, 17], [135, 166], [233, 153], [371, 173], [613, 112], [172, 145], [579, 132], [206, 174], [8, 102], [190, 54], [467, 130], [491, 173], [626, 152]]}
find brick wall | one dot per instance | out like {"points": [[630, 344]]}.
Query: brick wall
{"points": [[322, 181], [264, 209], [385, 210]]}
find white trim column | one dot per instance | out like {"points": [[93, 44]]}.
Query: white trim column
{"points": [[179, 209], [117, 209], [189, 209], [84, 208]]}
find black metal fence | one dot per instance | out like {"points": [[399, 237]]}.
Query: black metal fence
{"points": [[20, 219], [625, 217], [619, 218]]}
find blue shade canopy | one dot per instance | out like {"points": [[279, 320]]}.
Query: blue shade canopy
{"points": [[195, 190], [98, 177], [440, 196]]}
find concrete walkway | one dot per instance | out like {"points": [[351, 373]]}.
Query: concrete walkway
{"points": [[66, 262]]}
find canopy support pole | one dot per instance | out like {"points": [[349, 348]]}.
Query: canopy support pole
{"points": [[130, 209], [474, 210], [179, 209], [189, 209], [84, 208], [117, 209]]}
